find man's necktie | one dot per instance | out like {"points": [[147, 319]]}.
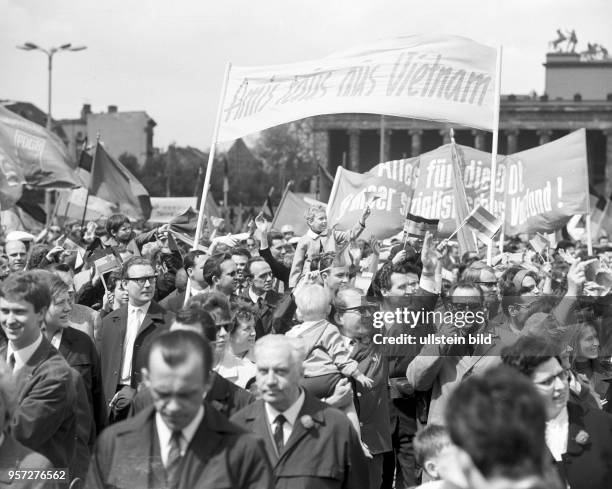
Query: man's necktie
{"points": [[174, 460], [11, 362], [278, 432], [259, 303]]}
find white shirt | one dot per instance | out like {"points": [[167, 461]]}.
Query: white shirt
{"points": [[135, 317], [235, 369], [57, 338], [290, 415], [23, 355], [556, 434], [187, 433]]}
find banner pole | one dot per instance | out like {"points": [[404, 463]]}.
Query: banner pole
{"points": [[209, 165], [334, 190], [494, 146], [211, 158]]}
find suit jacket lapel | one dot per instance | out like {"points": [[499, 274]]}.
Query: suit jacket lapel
{"points": [[204, 442], [258, 421], [575, 426], [138, 454], [299, 430], [153, 314]]}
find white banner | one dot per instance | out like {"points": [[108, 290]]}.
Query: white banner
{"points": [[165, 208], [441, 78]]}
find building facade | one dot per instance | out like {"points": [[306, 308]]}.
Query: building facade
{"points": [[578, 95]]}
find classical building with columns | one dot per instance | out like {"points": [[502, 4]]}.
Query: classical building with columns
{"points": [[578, 94]]}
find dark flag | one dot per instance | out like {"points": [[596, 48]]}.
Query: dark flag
{"points": [[112, 181], [85, 159], [268, 209]]}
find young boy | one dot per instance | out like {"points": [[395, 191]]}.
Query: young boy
{"points": [[433, 451], [327, 359], [319, 239]]}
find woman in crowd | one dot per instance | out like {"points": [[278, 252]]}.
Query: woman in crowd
{"points": [[590, 376], [235, 364], [579, 438]]}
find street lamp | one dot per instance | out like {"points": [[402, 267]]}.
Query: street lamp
{"points": [[30, 46]]}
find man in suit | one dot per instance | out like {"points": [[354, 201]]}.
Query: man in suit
{"points": [[311, 445], [178, 443], [13, 455], [192, 264], [44, 420], [225, 396], [126, 335], [260, 294]]}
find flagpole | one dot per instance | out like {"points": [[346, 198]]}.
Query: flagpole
{"points": [[497, 91], [334, 190], [209, 165]]}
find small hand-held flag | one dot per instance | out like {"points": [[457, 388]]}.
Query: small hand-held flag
{"points": [[417, 226], [484, 224]]}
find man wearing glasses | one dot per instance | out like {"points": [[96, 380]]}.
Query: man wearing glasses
{"points": [[440, 365], [260, 293], [126, 335]]}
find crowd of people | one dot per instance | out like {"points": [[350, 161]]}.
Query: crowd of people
{"points": [[268, 360]]}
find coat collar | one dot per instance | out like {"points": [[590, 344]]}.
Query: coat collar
{"points": [[134, 439], [258, 422]]}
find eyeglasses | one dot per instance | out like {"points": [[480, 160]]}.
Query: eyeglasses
{"points": [[465, 306], [141, 281], [364, 310], [563, 376]]}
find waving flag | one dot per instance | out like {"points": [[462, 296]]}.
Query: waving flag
{"points": [[441, 78], [29, 154], [113, 182], [484, 224]]}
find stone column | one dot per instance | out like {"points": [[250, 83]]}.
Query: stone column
{"points": [[545, 136], [479, 139], [608, 187], [445, 133], [321, 148], [512, 141], [353, 163], [386, 145], [416, 135]]}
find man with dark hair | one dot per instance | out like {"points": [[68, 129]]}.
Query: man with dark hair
{"points": [[192, 263], [442, 365], [126, 335], [260, 293], [497, 421], [45, 419], [179, 442], [219, 272], [241, 256], [225, 396]]}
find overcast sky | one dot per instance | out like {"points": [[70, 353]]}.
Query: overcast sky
{"points": [[167, 57]]}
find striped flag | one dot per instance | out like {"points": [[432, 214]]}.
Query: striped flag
{"points": [[539, 243], [417, 226], [484, 224]]}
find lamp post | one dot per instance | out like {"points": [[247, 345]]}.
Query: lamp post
{"points": [[30, 46]]}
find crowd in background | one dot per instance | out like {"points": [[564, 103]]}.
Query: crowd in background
{"points": [[267, 359]]}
